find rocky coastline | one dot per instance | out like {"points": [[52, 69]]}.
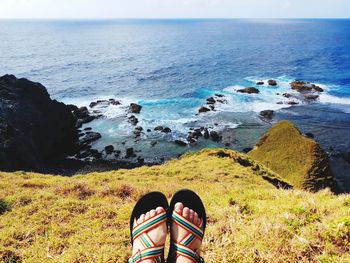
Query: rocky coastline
{"points": [[41, 134]]}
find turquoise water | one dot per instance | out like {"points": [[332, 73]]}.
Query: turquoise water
{"points": [[170, 67]]}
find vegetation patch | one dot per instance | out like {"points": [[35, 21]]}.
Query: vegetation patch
{"points": [[4, 206]]}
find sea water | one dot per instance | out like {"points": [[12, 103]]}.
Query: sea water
{"points": [[171, 67]]}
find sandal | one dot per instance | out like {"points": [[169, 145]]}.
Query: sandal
{"points": [[192, 201], [145, 204]]}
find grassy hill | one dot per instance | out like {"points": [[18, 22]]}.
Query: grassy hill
{"points": [[85, 218], [299, 160]]}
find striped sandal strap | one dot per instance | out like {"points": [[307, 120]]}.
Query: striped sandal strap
{"points": [[154, 253], [187, 225], [149, 224], [182, 250]]}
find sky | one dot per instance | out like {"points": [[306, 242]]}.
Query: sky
{"points": [[106, 9]]}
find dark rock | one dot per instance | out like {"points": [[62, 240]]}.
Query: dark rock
{"points": [[191, 139], [212, 107], [180, 143], [221, 101], [149, 130], [287, 95], [35, 131], [260, 83], [81, 113], [114, 102], [135, 108], [318, 89], [309, 135], [197, 133], [90, 137], [133, 120], [272, 82], [83, 154], [140, 160], [279, 102], [303, 86], [206, 134], [203, 109], [129, 152], [83, 116], [166, 130], [109, 149], [159, 128], [312, 97], [96, 154], [292, 103], [162, 129], [215, 136], [88, 129], [219, 95], [153, 143], [267, 114], [137, 133], [247, 150], [250, 90], [211, 100], [138, 128], [99, 102]]}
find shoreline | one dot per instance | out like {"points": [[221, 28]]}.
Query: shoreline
{"points": [[136, 149]]}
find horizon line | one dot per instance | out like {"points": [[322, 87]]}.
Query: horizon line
{"points": [[175, 18]]}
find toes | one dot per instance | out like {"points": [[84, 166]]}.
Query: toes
{"points": [[196, 219], [179, 207], [141, 219], [160, 210], [191, 215], [152, 213], [147, 216], [186, 213], [135, 222]]}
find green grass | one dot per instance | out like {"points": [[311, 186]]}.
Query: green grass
{"points": [[85, 218]]}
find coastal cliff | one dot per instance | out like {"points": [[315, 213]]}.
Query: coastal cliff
{"points": [[35, 131]]}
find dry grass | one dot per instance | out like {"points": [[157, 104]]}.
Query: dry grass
{"points": [[85, 218]]}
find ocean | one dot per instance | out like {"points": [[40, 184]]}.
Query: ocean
{"points": [[171, 67]]}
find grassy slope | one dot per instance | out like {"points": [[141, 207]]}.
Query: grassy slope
{"points": [[85, 218], [299, 160]]}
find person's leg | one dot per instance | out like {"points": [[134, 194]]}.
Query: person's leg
{"points": [[179, 233], [156, 235]]}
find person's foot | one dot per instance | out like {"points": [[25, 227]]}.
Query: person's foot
{"points": [[157, 234], [179, 233]]}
